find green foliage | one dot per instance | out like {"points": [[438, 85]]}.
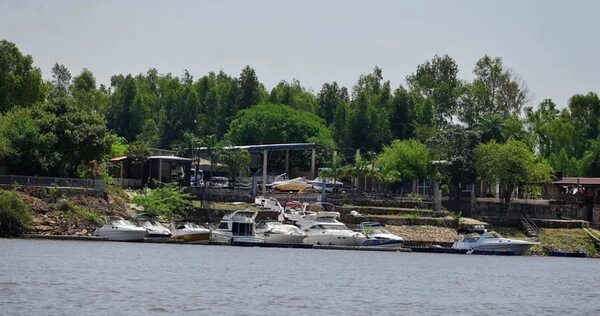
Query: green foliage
{"points": [[405, 160], [591, 158], [436, 83], [21, 83], [274, 123], [237, 162], [511, 164], [456, 218], [15, 215], [167, 201]]}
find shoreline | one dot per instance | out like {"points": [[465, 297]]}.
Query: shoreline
{"points": [[416, 249]]}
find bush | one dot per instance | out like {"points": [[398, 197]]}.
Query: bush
{"points": [[166, 201], [15, 215]]}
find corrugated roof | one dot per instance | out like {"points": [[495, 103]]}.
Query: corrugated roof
{"points": [[578, 180], [169, 158]]}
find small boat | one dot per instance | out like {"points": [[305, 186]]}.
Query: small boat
{"points": [[317, 184], [236, 227], [190, 232], [156, 231], [118, 229], [323, 228], [482, 240], [294, 185], [377, 235], [279, 233]]}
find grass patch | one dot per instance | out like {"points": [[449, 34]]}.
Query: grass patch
{"points": [[570, 240]]}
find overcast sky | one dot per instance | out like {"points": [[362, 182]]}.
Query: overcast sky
{"points": [[553, 45]]}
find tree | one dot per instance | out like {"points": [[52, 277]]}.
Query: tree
{"points": [[510, 165], [237, 162], [585, 115], [437, 80], [591, 159], [328, 100], [456, 145], [367, 119], [249, 88], [20, 82], [404, 160], [400, 121], [294, 95], [494, 91]]}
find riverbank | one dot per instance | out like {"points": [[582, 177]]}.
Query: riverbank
{"points": [[62, 212]]}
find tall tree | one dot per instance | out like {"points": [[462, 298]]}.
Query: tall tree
{"points": [[437, 81], [249, 88], [328, 100], [494, 91], [20, 82]]}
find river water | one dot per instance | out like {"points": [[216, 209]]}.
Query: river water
{"points": [[47, 277]]}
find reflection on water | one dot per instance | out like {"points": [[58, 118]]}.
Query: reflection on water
{"points": [[72, 277]]}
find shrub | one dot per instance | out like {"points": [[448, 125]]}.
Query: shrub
{"points": [[166, 201], [15, 215]]}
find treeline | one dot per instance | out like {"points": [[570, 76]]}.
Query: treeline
{"points": [[65, 125]]}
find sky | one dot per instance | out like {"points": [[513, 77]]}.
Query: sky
{"points": [[553, 45]]}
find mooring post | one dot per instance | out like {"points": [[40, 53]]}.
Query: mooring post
{"points": [[264, 175]]}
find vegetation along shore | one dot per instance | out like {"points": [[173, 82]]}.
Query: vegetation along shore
{"points": [[427, 156]]}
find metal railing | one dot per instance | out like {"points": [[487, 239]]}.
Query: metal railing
{"points": [[52, 182]]}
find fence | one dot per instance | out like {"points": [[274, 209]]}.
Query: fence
{"points": [[52, 182]]}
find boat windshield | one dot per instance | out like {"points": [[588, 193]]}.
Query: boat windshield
{"points": [[329, 227], [493, 234], [379, 231]]}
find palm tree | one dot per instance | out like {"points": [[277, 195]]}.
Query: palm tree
{"points": [[591, 158]]}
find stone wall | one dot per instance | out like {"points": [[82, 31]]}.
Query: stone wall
{"points": [[513, 210]]}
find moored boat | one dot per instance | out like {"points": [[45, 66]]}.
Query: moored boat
{"points": [[323, 228], [190, 232], [236, 227], [118, 229], [482, 240], [377, 235], [278, 233]]}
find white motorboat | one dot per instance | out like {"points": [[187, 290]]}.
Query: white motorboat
{"points": [[268, 203], [156, 230], [190, 232], [377, 235], [236, 227], [292, 185], [484, 240], [323, 228], [292, 212], [118, 229], [317, 184], [279, 233]]}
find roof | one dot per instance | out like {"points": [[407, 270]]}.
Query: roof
{"points": [[270, 147], [118, 158], [170, 158], [578, 181]]}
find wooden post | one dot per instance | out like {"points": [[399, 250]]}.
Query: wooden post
{"points": [[312, 162], [159, 170], [264, 173], [287, 162]]}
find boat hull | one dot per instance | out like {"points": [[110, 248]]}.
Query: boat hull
{"points": [[334, 239], [383, 243], [122, 235], [513, 247], [194, 238], [283, 238]]}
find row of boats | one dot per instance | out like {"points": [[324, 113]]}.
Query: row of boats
{"points": [[298, 223], [313, 224]]}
